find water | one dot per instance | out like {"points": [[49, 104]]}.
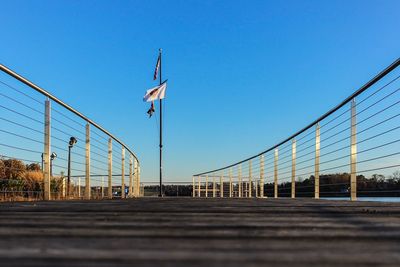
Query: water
{"points": [[377, 199]]}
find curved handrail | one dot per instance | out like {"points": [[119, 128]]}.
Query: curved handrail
{"points": [[55, 99], [391, 67]]}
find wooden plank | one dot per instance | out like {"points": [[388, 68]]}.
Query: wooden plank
{"points": [[200, 232]]}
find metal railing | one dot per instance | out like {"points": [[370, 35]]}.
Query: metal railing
{"points": [[351, 150], [170, 189], [38, 149]]}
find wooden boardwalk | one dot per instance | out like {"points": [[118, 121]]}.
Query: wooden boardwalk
{"points": [[200, 232]]}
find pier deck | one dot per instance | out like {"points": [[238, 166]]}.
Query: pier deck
{"points": [[200, 232]]}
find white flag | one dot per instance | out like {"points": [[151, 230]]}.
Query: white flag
{"points": [[155, 93]]}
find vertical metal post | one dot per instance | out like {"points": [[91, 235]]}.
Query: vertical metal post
{"points": [[353, 152], [79, 187], [109, 189], [193, 188], [276, 174], [294, 168], [199, 186], [221, 185], [206, 185], [135, 179], [317, 154], [256, 187], [261, 176], [87, 163], [123, 173], [214, 187], [130, 190], [63, 187], [46, 152], [240, 180], [69, 170], [250, 182], [161, 128], [102, 187], [230, 182], [140, 193]]}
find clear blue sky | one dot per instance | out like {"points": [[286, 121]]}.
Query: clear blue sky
{"points": [[243, 75]]}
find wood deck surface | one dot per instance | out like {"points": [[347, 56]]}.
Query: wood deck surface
{"points": [[200, 232]]}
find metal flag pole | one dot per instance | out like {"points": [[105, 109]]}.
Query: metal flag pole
{"points": [[161, 191]]}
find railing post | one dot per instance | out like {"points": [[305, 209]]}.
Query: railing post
{"points": [[206, 185], [199, 186], [276, 174], [353, 152], [63, 187], [293, 168], [109, 189], [87, 163], [193, 188], [46, 152], [136, 185], [123, 172], [130, 190], [140, 193], [102, 187], [261, 176], [221, 186], [79, 187], [256, 187], [317, 152], [230, 182], [240, 180], [250, 182], [214, 187]]}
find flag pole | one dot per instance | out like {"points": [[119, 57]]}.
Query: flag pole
{"points": [[161, 190]]}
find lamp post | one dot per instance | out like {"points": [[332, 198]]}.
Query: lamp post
{"points": [[72, 142], [52, 157]]}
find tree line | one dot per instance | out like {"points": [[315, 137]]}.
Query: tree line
{"points": [[331, 185], [24, 179], [16, 176]]}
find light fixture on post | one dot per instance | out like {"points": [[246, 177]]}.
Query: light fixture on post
{"points": [[72, 142], [52, 157]]}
